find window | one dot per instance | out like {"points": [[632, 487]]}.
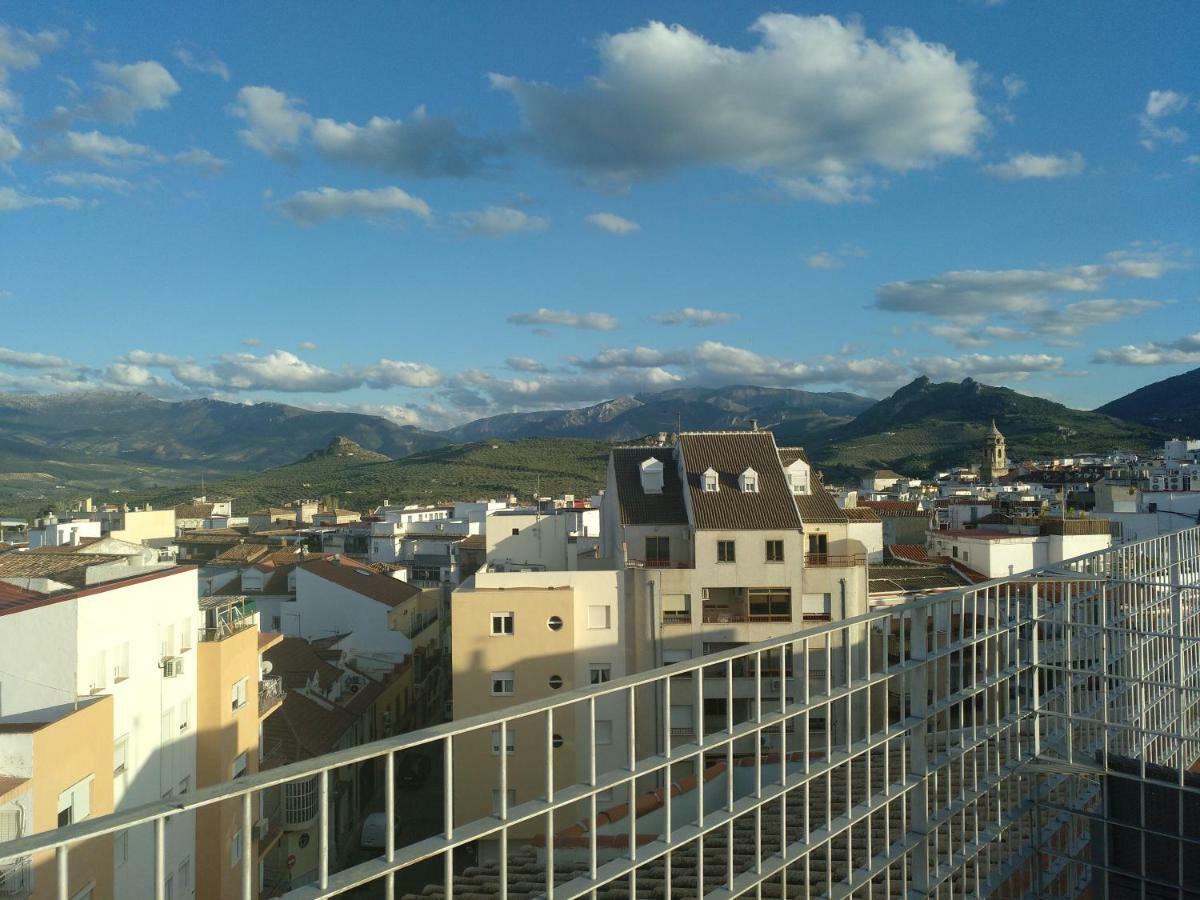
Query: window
{"points": [[502, 623], [770, 604], [276, 623], [726, 552], [599, 673], [238, 694], [240, 764], [120, 848], [711, 481], [502, 683], [120, 754], [774, 551], [603, 731], [168, 640], [748, 482], [75, 803], [510, 741], [598, 617], [658, 551], [554, 623], [816, 606], [235, 850], [677, 607], [954, 552], [674, 656], [818, 544], [511, 798], [965, 556], [516, 531]]}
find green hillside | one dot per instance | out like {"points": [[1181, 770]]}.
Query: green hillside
{"points": [[1172, 404], [468, 471], [926, 426]]}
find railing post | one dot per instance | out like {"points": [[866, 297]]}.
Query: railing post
{"points": [[389, 810], [323, 829], [448, 813], [63, 872], [248, 866], [918, 753]]}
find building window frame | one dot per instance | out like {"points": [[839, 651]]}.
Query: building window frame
{"points": [[599, 673], [503, 623], [726, 551], [503, 684], [775, 551]]}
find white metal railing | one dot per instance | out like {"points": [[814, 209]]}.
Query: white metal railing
{"points": [[930, 751]]}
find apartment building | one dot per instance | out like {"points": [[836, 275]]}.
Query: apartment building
{"points": [[995, 551], [724, 539], [234, 696], [522, 636], [55, 769], [132, 639]]}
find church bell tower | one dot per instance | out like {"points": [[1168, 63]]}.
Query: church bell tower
{"points": [[995, 458]]}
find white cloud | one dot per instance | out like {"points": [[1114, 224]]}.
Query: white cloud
{"points": [[125, 91], [1181, 351], [635, 358], [92, 180], [1032, 165], [697, 318], [497, 221], [524, 364], [12, 200], [425, 146], [95, 147], [209, 65], [10, 147], [307, 345], [829, 189], [1013, 367], [1068, 321], [326, 203], [975, 336], [593, 321], [251, 342], [1193, 159], [814, 99], [1159, 105], [278, 370], [24, 50], [26, 360], [201, 159], [823, 260], [275, 123], [145, 358], [612, 223], [134, 376], [1014, 86], [392, 373]]}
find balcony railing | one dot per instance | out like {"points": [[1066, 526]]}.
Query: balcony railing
{"points": [[677, 616], [888, 805], [835, 561], [632, 563], [722, 616], [16, 877], [270, 693]]}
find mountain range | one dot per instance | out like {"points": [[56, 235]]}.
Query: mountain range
{"points": [[56, 447]]}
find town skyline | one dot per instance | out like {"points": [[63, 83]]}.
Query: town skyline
{"points": [[435, 219]]}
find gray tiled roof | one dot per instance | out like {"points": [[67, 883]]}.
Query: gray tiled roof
{"points": [[730, 453], [636, 506]]}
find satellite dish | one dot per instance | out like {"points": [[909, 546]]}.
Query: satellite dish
{"points": [[266, 667]]}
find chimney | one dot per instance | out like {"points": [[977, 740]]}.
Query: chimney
{"points": [[754, 424]]}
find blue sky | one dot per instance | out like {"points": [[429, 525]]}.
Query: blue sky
{"points": [[437, 212]]}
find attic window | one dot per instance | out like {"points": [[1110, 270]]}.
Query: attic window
{"points": [[711, 481], [748, 482], [652, 475]]}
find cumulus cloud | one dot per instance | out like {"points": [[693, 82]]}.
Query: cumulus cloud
{"points": [[829, 189], [963, 336], [425, 146], [210, 64], [1032, 165], [92, 180], [10, 147], [1160, 105], [524, 364], [275, 124], [697, 318], [1012, 367], [612, 223], [95, 147], [392, 373], [1181, 351], [201, 159], [593, 321], [497, 221], [635, 358], [815, 99], [124, 91], [823, 260], [1014, 86], [1068, 321], [12, 200], [326, 203], [26, 360], [23, 49]]}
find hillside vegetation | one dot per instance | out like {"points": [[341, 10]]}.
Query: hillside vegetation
{"points": [[1172, 404]]}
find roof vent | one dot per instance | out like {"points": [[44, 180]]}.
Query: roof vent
{"points": [[652, 475]]}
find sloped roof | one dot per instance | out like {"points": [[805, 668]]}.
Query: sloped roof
{"points": [[861, 514], [894, 508], [240, 554], [818, 507], [296, 656], [914, 552], [14, 597], [788, 455], [67, 567], [635, 505], [303, 728], [730, 453], [363, 580], [193, 510]]}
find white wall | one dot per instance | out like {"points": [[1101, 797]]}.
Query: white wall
{"points": [[324, 608], [541, 540], [60, 533]]}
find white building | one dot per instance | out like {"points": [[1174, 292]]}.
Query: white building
{"points": [[50, 532], [997, 554], [133, 639]]}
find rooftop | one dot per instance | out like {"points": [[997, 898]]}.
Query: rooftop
{"points": [[363, 580], [635, 505], [730, 453]]}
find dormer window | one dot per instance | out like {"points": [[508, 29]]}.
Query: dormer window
{"points": [[652, 475], [711, 481], [748, 482]]}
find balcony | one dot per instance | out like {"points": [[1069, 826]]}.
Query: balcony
{"points": [[677, 617], [16, 877], [270, 694], [834, 561], [632, 563]]}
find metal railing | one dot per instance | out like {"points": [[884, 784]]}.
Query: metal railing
{"points": [[270, 692], [835, 560], [944, 747]]}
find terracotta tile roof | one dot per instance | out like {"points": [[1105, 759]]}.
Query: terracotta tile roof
{"points": [[818, 507], [474, 542], [363, 580], [193, 510], [14, 597], [861, 514], [240, 555], [635, 505], [70, 568], [303, 728], [730, 453], [788, 455], [297, 657], [914, 552], [894, 507]]}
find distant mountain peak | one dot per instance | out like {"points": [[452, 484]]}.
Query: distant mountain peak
{"points": [[342, 446]]}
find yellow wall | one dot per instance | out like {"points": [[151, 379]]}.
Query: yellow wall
{"points": [[533, 653], [64, 753], [222, 735]]}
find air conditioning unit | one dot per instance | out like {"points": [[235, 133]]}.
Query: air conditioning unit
{"points": [[172, 666]]}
